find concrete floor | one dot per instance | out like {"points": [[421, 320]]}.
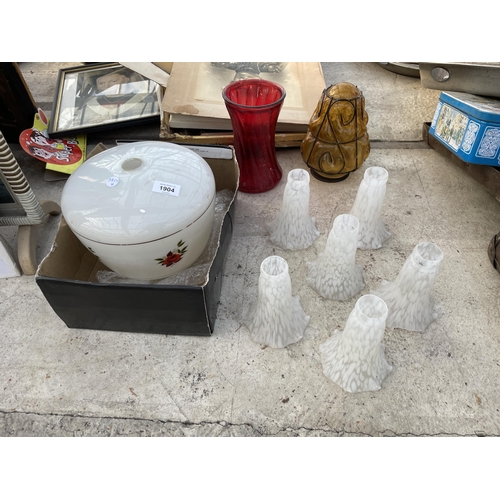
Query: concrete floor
{"points": [[62, 382]]}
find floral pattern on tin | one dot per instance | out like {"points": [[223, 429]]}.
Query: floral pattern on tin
{"points": [[173, 256]]}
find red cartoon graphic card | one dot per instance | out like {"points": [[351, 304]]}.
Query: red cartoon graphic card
{"points": [[61, 155]]}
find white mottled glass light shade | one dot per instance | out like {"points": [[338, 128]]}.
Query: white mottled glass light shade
{"points": [[293, 229], [367, 209], [334, 274], [277, 319], [354, 358], [408, 297]]}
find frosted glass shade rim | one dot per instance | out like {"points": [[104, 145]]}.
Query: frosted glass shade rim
{"points": [[376, 176], [427, 255], [298, 177], [345, 224], [274, 266], [370, 307]]}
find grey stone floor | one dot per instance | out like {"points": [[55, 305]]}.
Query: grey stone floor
{"points": [[61, 382]]}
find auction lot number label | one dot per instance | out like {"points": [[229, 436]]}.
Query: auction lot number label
{"points": [[166, 188]]}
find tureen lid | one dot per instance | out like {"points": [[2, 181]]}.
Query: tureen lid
{"points": [[138, 192]]}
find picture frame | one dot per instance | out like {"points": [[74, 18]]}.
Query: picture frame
{"points": [[102, 96], [193, 97]]}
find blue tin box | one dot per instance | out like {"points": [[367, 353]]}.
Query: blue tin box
{"points": [[469, 125]]}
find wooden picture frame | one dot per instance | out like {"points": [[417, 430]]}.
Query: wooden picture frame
{"points": [[102, 96]]}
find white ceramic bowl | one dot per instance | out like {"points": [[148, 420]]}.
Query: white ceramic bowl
{"points": [[146, 209]]}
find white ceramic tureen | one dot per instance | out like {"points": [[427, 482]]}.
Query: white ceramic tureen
{"points": [[146, 209]]}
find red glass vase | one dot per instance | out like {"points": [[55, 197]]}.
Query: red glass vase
{"points": [[254, 106]]}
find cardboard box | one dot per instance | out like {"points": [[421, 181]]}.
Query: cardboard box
{"points": [[67, 278], [469, 126]]}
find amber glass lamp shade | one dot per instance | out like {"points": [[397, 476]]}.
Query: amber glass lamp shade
{"points": [[337, 141]]}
